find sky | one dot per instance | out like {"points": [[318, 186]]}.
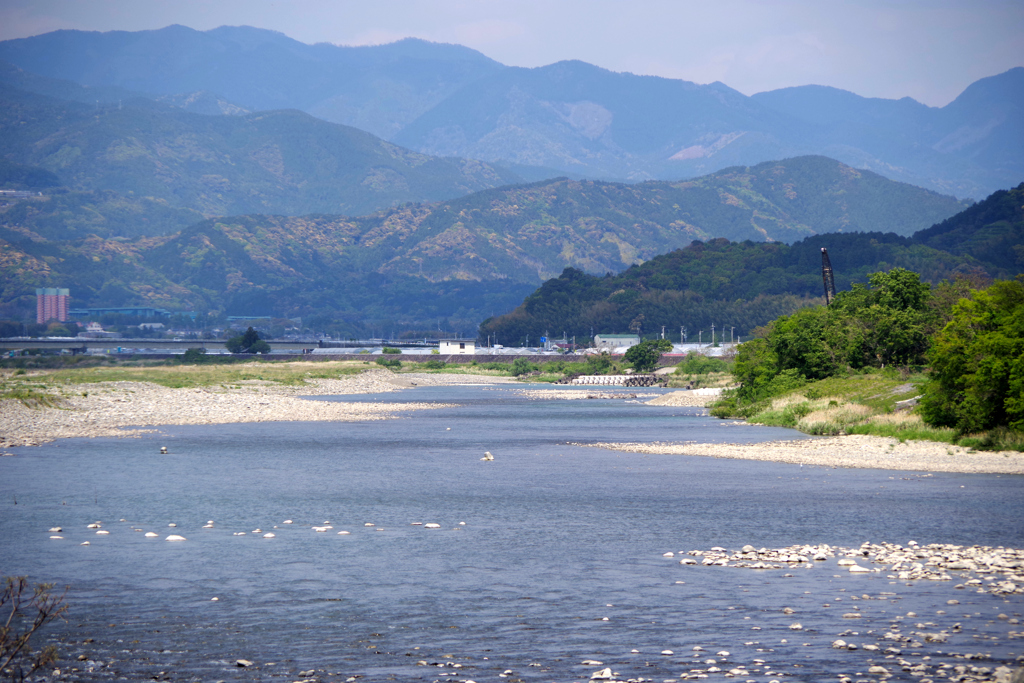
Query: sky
{"points": [[926, 49]]}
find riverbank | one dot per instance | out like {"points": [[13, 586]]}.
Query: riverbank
{"points": [[853, 451], [124, 408]]}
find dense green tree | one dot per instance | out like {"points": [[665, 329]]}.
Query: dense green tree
{"points": [[887, 322], [644, 356], [249, 342], [978, 363]]}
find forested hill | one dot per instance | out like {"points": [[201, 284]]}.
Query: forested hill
{"points": [[748, 284]]}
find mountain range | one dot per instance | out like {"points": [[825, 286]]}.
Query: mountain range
{"points": [[463, 259], [572, 117]]}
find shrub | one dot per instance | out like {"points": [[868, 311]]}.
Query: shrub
{"points": [[27, 610], [697, 364], [521, 366], [392, 363], [390, 350], [434, 364], [194, 356]]}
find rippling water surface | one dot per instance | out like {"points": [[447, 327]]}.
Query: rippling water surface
{"points": [[559, 560]]}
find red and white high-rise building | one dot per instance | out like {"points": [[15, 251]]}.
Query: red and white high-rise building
{"points": [[52, 304]]}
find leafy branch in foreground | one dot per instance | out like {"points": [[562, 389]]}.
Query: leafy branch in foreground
{"points": [[27, 611]]}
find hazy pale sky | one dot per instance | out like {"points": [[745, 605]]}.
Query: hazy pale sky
{"points": [[927, 49]]}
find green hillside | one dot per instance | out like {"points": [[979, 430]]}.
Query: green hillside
{"points": [[746, 285], [992, 230], [480, 255]]}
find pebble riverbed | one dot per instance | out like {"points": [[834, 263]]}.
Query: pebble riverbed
{"points": [[997, 571], [122, 408]]}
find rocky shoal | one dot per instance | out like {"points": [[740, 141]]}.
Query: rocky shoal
{"points": [[1001, 569]]}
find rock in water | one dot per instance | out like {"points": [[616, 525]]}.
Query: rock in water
{"points": [[175, 537]]}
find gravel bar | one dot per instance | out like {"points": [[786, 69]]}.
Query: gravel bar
{"points": [[853, 451]]}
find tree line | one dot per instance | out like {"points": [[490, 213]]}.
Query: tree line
{"points": [[969, 332]]}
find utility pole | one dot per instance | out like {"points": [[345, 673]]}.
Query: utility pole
{"points": [[662, 331], [732, 335], [700, 337], [712, 334]]}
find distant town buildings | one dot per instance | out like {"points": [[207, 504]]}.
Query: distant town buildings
{"points": [[52, 304]]}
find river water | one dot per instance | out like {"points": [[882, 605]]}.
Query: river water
{"points": [[559, 560]]}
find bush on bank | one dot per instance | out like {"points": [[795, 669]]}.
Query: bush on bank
{"points": [[972, 338]]}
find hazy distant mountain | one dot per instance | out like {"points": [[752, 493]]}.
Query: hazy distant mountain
{"points": [[283, 162], [570, 116], [377, 89], [979, 135], [578, 117]]}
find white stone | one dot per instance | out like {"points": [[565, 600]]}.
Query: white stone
{"points": [[102, 532], [151, 534], [56, 530], [175, 537], [268, 535], [59, 538], [344, 533], [431, 525]]}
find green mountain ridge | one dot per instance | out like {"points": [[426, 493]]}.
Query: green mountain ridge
{"points": [[746, 285], [411, 264]]}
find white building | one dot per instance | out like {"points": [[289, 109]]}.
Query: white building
{"points": [[456, 346], [612, 343]]}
